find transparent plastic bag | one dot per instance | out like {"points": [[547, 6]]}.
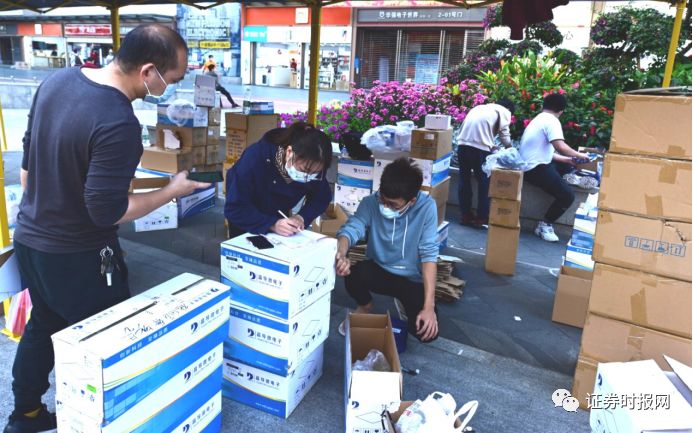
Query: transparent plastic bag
{"points": [[180, 111], [508, 158], [388, 138], [374, 361], [435, 414]]}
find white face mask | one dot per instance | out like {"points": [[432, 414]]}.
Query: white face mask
{"points": [[168, 91], [299, 176]]}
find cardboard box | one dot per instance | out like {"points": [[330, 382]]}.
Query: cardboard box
{"points": [[197, 202], [162, 218], [276, 345], [653, 122], [501, 250], [661, 187], [609, 340], [572, 296], [280, 281], [647, 300], [434, 172], [215, 154], [330, 221], [199, 155], [354, 173], [506, 184], [437, 121], [655, 246], [578, 257], [639, 378], [205, 90], [174, 137], [504, 213], [109, 363], [583, 381], [272, 393], [581, 239], [163, 410], [597, 156], [430, 144], [442, 235], [207, 418], [440, 194], [369, 393], [586, 219], [214, 116], [193, 118], [169, 161], [213, 134], [258, 107], [256, 125], [349, 197]]}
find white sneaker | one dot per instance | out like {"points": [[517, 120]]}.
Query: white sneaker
{"points": [[545, 231]]}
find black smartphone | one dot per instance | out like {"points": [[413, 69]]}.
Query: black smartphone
{"points": [[206, 176], [260, 242]]}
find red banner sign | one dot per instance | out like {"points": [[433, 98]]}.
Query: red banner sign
{"points": [[87, 30]]}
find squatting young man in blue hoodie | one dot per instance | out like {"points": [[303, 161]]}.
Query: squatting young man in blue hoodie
{"points": [[401, 223]]}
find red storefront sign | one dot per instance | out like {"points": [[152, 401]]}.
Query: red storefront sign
{"points": [[87, 30]]}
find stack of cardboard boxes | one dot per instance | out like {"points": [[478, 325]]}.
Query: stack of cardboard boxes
{"points": [[575, 279], [640, 298], [151, 363], [354, 183], [280, 317], [505, 190], [242, 130]]}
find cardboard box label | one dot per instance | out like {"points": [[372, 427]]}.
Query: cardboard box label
{"points": [[647, 300], [654, 246], [506, 184], [214, 116], [663, 187], [504, 213], [272, 393], [276, 345], [655, 122], [353, 173]]}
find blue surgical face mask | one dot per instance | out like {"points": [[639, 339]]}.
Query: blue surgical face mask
{"points": [[391, 213], [299, 176], [168, 92]]}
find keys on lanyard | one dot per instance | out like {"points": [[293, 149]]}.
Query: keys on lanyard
{"points": [[108, 263]]}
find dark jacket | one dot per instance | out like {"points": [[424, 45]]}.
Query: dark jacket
{"points": [[256, 191]]}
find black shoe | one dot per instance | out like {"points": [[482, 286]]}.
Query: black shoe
{"points": [[44, 422]]}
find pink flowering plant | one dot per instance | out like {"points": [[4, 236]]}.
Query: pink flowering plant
{"points": [[387, 103]]}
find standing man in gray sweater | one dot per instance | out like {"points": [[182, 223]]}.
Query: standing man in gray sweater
{"points": [[476, 141]]}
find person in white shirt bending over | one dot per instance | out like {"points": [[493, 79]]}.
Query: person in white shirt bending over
{"points": [[543, 145], [477, 140]]}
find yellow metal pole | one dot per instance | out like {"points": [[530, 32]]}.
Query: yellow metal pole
{"points": [[115, 28], [674, 44], [316, 12], [2, 126], [4, 226]]}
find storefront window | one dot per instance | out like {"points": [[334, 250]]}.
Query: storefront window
{"points": [[273, 64], [335, 62]]}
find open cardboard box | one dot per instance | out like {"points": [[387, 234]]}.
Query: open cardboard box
{"points": [[367, 394], [330, 221]]}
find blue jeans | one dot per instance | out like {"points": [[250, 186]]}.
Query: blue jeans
{"points": [[470, 160]]}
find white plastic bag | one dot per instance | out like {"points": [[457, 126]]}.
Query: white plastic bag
{"points": [[180, 111], [388, 138], [508, 158], [435, 414], [374, 361]]}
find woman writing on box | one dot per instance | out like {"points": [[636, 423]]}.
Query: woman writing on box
{"points": [[273, 175]]}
